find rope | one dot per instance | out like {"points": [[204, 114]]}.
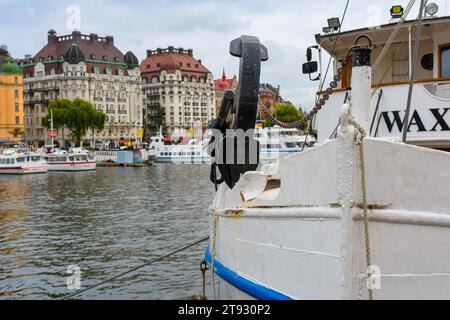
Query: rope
{"points": [[360, 142], [136, 268], [215, 220]]}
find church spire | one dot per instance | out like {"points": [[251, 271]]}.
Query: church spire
{"points": [[224, 77]]}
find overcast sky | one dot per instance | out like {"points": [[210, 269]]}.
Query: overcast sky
{"points": [[286, 27]]}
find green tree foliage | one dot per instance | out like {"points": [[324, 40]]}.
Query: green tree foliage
{"points": [[286, 112], [77, 115]]}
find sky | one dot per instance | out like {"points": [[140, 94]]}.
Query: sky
{"points": [[285, 27]]}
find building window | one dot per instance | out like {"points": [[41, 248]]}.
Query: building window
{"points": [[445, 61], [16, 80], [17, 107], [17, 120], [16, 94]]}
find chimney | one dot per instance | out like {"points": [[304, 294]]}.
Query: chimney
{"points": [[158, 51], [149, 53], [94, 37], [171, 49], [190, 52], [76, 35], [199, 61], [110, 39], [51, 37], [28, 56]]}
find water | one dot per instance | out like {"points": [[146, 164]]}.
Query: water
{"points": [[105, 221]]}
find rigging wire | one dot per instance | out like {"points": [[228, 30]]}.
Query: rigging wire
{"points": [[136, 268], [333, 51]]}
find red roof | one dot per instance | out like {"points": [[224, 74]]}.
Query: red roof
{"points": [[93, 47], [89, 45], [224, 83], [172, 59]]}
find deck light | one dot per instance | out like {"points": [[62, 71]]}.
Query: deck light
{"points": [[334, 24], [431, 9], [327, 30], [396, 11]]}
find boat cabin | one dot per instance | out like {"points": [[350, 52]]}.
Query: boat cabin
{"points": [[391, 64]]}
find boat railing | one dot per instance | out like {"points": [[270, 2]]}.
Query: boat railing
{"points": [[106, 156]]}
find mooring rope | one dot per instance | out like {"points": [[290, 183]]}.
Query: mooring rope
{"points": [[136, 268], [360, 142]]}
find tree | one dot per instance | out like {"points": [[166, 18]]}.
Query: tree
{"points": [[77, 115], [286, 112], [59, 108], [98, 121]]}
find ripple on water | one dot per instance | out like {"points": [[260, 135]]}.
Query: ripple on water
{"points": [[106, 222]]}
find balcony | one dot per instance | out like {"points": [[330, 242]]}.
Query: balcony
{"points": [[98, 99], [195, 104], [204, 104], [43, 89], [187, 103], [122, 100], [110, 100], [122, 111], [36, 101], [110, 111]]}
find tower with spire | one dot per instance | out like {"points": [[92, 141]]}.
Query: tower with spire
{"points": [[222, 85]]}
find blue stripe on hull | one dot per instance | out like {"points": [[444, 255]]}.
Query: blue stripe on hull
{"points": [[247, 286]]}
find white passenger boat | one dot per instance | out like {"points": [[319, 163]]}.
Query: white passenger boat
{"points": [[276, 142], [14, 162], [366, 213], [75, 160], [191, 152]]}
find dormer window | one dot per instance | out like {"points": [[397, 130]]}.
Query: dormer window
{"points": [[116, 59], [148, 66], [158, 65], [189, 65], [50, 58], [196, 65], [105, 58], [93, 56]]}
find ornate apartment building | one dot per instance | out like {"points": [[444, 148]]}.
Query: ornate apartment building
{"points": [[11, 99], [87, 67], [178, 87]]}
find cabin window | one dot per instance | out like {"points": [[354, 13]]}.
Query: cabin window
{"points": [[427, 62], [445, 61]]}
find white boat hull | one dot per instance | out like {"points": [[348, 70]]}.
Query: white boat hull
{"points": [[72, 166], [303, 238], [24, 169]]}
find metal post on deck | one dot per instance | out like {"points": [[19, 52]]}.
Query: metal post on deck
{"points": [[362, 84], [412, 71]]}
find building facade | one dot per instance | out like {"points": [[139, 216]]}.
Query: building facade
{"points": [[87, 67], [178, 90], [269, 96], [222, 85], [11, 99]]}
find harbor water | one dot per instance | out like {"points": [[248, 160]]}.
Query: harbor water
{"points": [[105, 222]]}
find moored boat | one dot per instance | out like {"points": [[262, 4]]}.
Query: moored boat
{"points": [[75, 160], [13, 162]]}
